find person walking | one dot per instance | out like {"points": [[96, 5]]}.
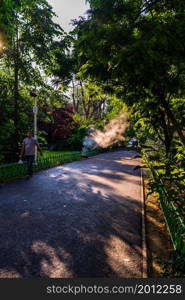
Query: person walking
{"points": [[28, 150]]}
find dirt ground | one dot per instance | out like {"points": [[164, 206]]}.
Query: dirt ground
{"points": [[159, 245]]}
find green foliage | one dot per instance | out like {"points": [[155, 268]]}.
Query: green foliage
{"points": [[28, 38], [138, 46], [75, 142], [13, 171]]}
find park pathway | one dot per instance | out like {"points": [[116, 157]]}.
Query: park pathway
{"points": [[82, 219]]}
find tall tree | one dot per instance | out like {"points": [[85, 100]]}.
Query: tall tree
{"points": [[138, 46], [31, 38]]}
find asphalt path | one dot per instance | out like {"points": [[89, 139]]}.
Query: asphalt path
{"points": [[82, 219]]}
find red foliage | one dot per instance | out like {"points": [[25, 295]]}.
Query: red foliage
{"points": [[63, 122]]}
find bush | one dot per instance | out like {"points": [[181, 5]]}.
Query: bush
{"points": [[76, 141], [73, 143]]}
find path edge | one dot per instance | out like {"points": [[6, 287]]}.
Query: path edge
{"points": [[144, 247]]}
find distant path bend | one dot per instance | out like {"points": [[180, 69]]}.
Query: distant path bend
{"points": [[81, 219]]}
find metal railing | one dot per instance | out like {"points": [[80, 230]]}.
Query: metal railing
{"points": [[13, 171], [173, 217]]}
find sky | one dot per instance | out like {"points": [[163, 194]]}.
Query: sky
{"points": [[68, 10]]}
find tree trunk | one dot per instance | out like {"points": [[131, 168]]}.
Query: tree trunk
{"points": [[167, 132], [16, 91], [173, 120], [83, 100], [73, 96]]}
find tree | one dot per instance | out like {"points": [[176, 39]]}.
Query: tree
{"points": [[60, 125], [139, 47], [27, 51]]}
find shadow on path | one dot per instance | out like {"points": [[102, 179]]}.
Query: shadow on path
{"points": [[79, 220]]}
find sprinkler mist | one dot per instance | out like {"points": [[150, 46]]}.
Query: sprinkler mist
{"points": [[111, 134]]}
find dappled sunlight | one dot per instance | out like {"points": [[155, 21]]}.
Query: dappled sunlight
{"points": [[25, 214], [53, 175], [51, 266], [103, 179], [2, 42], [9, 272], [119, 256], [80, 220], [153, 219]]}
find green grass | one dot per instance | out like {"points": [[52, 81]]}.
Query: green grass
{"points": [[48, 160], [47, 154]]}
